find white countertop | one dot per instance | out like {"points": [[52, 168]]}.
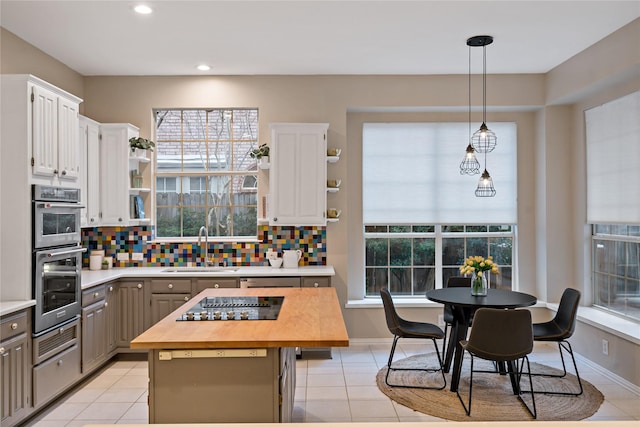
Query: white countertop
{"points": [[8, 307], [95, 277], [92, 278]]}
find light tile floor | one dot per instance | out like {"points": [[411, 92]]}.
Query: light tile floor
{"points": [[341, 389]]}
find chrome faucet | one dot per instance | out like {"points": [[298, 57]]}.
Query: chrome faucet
{"points": [[203, 230]]}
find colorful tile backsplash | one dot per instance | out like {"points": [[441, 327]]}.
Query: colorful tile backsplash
{"points": [[113, 240]]}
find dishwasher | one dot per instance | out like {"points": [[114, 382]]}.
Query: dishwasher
{"points": [[286, 282]]}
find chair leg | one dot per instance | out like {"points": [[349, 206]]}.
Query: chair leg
{"points": [[390, 362], [467, 407], [444, 340], [566, 345], [533, 412]]}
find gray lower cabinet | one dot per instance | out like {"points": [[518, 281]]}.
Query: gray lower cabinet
{"points": [[94, 328], [163, 304], [15, 368], [216, 282], [239, 386], [131, 312], [316, 282], [110, 317]]}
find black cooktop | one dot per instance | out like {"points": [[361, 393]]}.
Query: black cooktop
{"points": [[234, 308]]}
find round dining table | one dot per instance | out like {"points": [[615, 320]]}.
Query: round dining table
{"points": [[463, 305]]}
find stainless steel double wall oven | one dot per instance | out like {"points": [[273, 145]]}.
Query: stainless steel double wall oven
{"points": [[57, 256]]}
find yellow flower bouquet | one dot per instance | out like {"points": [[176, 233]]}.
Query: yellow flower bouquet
{"points": [[476, 266]]}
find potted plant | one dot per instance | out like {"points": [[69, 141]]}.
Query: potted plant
{"points": [[140, 145], [261, 153]]}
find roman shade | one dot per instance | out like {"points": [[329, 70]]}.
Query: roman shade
{"points": [[613, 161], [411, 175]]}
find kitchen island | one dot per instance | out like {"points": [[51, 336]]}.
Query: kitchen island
{"points": [[236, 370]]}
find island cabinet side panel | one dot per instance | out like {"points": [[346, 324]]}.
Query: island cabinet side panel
{"points": [[203, 386]]}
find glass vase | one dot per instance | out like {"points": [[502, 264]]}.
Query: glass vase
{"points": [[479, 284]]}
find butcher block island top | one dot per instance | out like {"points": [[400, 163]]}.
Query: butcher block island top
{"points": [[309, 317]]}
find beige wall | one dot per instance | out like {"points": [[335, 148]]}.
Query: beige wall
{"points": [[552, 236], [19, 57]]}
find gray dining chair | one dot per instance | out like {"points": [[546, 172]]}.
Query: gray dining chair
{"points": [[501, 336], [447, 311], [559, 329], [402, 328]]}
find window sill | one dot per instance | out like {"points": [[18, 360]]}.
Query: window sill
{"points": [[416, 302], [623, 328], [612, 324]]}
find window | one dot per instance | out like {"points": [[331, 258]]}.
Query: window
{"points": [[202, 170], [613, 207], [616, 268], [421, 217], [410, 259]]}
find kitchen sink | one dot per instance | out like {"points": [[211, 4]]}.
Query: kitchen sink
{"points": [[200, 270]]}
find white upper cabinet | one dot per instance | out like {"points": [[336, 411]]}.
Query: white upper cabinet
{"points": [[298, 174], [54, 137], [89, 136], [114, 172]]}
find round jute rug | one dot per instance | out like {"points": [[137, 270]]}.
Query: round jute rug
{"points": [[493, 398]]}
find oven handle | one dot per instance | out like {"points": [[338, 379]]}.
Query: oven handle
{"points": [[70, 251], [61, 205]]}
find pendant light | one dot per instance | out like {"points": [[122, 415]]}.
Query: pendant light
{"points": [[485, 186], [470, 164], [483, 140]]}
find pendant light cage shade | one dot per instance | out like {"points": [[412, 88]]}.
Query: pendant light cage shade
{"points": [[484, 140], [485, 186], [470, 164]]}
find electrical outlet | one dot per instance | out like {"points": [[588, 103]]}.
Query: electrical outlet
{"points": [[605, 347], [440, 319], [137, 256], [122, 256]]}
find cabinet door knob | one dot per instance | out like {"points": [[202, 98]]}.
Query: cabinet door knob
{"points": [[170, 285], [106, 304], [92, 220], [216, 286], [110, 288], [55, 171], [64, 172], [186, 298], [61, 331], [1, 350], [315, 284], [275, 219], [96, 295], [60, 362], [120, 219], [14, 326], [139, 285]]}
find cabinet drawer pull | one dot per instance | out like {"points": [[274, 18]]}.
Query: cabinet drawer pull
{"points": [[315, 284], [186, 298], [139, 285], [170, 285], [96, 295], [14, 326], [216, 286]]}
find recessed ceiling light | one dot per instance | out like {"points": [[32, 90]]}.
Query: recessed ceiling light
{"points": [[203, 67], [143, 9]]}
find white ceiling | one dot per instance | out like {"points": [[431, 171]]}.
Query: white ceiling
{"points": [[312, 37]]}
